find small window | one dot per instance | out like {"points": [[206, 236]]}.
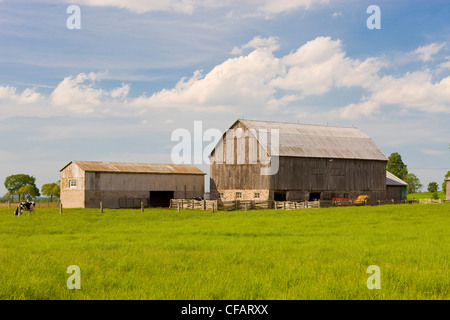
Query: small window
{"points": [[238, 195], [72, 183], [256, 195], [221, 195]]}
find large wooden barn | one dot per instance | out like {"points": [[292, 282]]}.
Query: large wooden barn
{"points": [[122, 185], [314, 162]]}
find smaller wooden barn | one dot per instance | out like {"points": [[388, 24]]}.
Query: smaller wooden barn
{"points": [[84, 184], [396, 188]]}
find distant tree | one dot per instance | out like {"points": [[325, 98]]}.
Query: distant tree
{"points": [[433, 187], [413, 182], [14, 182], [28, 192], [396, 166], [444, 184], [51, 190]]}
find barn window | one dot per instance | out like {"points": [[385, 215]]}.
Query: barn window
{"points": [[72, 183], [256, 195], [238, 195]]}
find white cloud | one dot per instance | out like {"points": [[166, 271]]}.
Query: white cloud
{"points": [[257, 81], [270, 43], [252, 7], [432, 152], [425, 53], [321, 64], [280, 6]]}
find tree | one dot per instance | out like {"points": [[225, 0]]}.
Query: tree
{"points": [[396, 166], [28, 192], [433, 187], [14, 182], [51, 190], [444, 184], [413, 182]]}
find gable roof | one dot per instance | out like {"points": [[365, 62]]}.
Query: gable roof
{"points": [[107, 166], [392, 180], [318, 141]]}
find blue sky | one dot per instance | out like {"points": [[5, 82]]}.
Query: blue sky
{"points": [[136, 71]]}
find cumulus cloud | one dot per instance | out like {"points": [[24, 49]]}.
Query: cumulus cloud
{"points": [[262, 80], [414, 91], [257, 81], [425, 53], [73, 95]]}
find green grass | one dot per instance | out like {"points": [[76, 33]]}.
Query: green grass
{"points": [[425, 195], [263, 254]]}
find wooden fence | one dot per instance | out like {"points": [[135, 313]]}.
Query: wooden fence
{"points": [[13, 205], [241, 204], [193, 204]]}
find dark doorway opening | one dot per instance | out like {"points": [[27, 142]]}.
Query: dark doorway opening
{"points": [[160, 198], [314, 196], [280, 196]]}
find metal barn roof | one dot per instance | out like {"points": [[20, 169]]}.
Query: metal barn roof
{"points": [[392, 180], [107, 166], [318, 141]]}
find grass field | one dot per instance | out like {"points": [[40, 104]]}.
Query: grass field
{"points": [[425, 195], [264, 254]]}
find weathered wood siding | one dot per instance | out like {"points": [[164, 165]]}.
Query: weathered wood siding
{"points": [[393, 193], [112, 188], [238, 165], [331, 175]]}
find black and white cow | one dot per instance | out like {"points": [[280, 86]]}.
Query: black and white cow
{"points": [[25, 206]]}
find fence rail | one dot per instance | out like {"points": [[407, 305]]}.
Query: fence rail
{"points": [[282, 205], [241, 204], [38, 205]]}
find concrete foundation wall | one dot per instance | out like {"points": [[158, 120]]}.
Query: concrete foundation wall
{"points": [[298, 195]]}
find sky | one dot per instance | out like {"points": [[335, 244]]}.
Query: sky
{"points": [[116, 87]]}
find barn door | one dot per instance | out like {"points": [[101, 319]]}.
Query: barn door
{"points": [[160, 198]]}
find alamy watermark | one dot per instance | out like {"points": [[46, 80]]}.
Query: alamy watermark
{"points": [[74, 281], [241, 146], [374, 281], [74, 20], [374, 21]]}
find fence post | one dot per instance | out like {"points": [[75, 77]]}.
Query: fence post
{"points": [[275, 205], [101, 207], [193, 203], [142, 206], [246, 206], [9, 204], [178, 206], [213, 207], [60, 207], [204, 204]]}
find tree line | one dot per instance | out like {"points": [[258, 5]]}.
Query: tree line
{"points": [[396, 166], [23, 187]]}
